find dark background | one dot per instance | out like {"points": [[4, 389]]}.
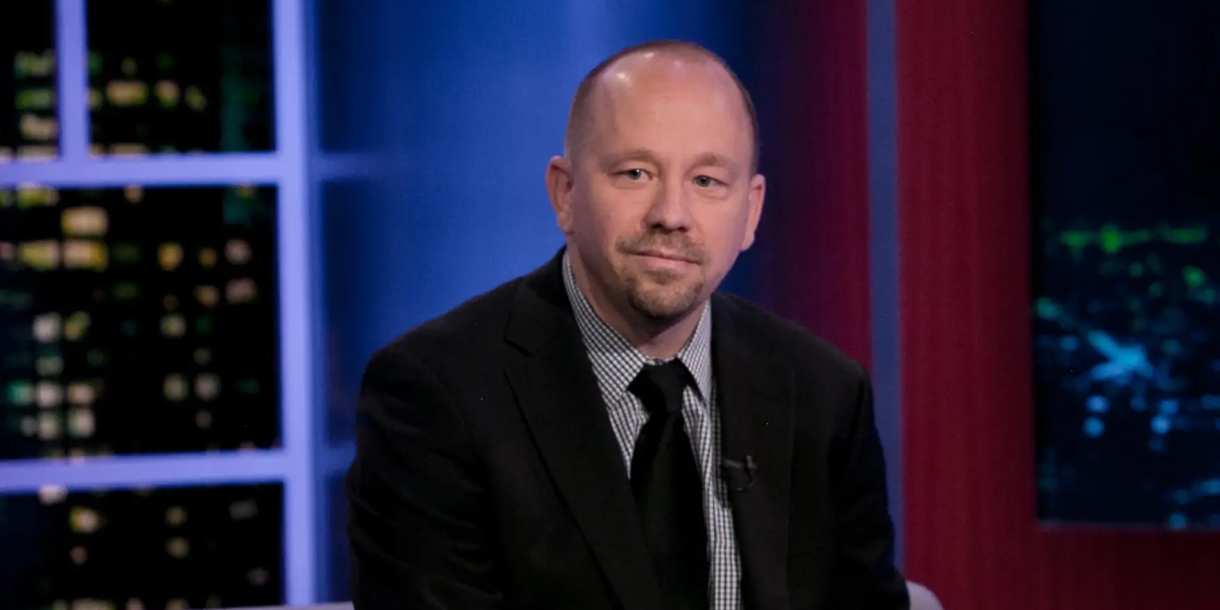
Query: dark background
{"points": [[1126, 227]]}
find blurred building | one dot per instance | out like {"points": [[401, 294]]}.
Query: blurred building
{"points": [[143, 461]]}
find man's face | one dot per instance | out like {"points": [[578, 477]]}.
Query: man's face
{"points": [[662, 198]]}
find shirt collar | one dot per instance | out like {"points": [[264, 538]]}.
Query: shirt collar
{"points": [[610, 351]]}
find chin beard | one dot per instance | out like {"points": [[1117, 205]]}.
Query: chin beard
{"points": [[664, 306]]}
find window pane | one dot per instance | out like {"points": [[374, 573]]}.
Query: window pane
{"points": [[214, 547], [137, 320], [29, 128], [176, 76]]}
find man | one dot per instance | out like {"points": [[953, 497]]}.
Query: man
{"points": [[609, 431]]}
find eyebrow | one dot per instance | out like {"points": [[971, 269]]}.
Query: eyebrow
{"points": [[712, 159], [635, 154]]}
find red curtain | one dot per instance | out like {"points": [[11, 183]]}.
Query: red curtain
{"points": [[968, 460]]}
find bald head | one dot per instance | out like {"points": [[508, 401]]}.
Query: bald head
{"points": [[652, 61], [658, 191]]}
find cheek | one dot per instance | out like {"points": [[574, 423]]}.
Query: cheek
{"points": [[607, 218], [723, 235], [723, 230]]}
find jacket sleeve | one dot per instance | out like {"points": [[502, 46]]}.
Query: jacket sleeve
{"points": [[417, 525], [865, 575]]}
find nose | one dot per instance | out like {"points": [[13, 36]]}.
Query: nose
{"points": [[670, 209]]}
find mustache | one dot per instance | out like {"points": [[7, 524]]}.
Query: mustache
{"points": [[677, 244]]}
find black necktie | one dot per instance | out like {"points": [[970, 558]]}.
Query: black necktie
{"points": [[668, 489]]}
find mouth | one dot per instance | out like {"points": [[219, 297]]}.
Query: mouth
{"points": [[665, 256], [664, 264]]}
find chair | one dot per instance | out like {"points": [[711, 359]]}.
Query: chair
{"points": [[922, 598]]}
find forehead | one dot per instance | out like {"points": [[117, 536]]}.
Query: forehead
{"points": [[670, 105]]}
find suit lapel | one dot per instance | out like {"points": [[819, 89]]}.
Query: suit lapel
{"points": [[754, 396], [559, 398]]}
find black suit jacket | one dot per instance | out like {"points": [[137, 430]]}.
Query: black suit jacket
{"points": [[487, 474]]}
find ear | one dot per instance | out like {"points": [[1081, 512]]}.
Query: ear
{"points": [[559, 184], [754, 201]]}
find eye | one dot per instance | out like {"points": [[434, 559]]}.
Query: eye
{"points": [[706, 182], [634, 174]]}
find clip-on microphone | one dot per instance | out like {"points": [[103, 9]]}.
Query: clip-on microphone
{"points": [[738, 474]]}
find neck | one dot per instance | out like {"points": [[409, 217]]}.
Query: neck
{"points": [[661, 339]]}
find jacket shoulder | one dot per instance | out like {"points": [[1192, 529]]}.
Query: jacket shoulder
{"points": [[462, 331], [767, 333]]}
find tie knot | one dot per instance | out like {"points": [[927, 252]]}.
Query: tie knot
{"points": [[660, 386]]}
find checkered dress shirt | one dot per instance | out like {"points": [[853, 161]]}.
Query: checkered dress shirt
{"points": [[616, 364]]}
